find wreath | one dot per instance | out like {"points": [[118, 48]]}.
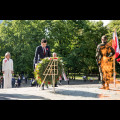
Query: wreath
{"points": [[41, 67]]}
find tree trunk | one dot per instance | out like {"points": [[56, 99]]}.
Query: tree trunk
{"points": [[68, 72], [74, 76]]}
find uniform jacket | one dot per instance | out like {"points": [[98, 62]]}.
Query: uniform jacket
{"points": [[99, 54]]}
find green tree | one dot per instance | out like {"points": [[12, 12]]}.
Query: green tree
{"points": [[114, 24], [73, 40]]}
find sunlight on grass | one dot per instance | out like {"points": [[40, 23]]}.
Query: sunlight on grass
{"points": [[81, 77]]}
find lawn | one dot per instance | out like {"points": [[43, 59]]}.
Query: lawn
{"points": [[80, 77]]}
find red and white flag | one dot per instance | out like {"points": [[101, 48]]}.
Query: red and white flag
{"points": [[115, 44]]}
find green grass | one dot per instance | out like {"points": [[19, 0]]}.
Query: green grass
{"points": [[79, 77]]}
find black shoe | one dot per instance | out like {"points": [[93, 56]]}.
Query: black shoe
{"points": [[56, 85]]}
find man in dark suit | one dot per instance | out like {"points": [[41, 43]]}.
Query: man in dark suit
{"points": [[13, 82], [19, 81], [41, 52]]}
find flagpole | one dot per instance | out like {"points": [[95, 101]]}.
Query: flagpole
{"points": [[114, 65], [114, 73]]}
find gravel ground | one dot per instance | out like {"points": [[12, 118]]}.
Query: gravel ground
{"points": [[76, 90]]}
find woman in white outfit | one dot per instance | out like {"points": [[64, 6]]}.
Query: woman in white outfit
{"points": [[7, 69]]}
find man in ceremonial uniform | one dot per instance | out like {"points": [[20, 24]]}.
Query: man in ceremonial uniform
{"points": [[104, 54], [41, 52]]}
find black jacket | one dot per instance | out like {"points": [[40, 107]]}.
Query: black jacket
{"points": [[40, 55]]}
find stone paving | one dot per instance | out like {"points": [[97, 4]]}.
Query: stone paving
{"points": [[85, 91]]}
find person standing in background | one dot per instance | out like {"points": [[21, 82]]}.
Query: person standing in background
{"points": [[7, 70], [19, 81], [13, 82]]}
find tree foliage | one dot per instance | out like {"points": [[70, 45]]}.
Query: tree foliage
{"points": [[73, 40]]}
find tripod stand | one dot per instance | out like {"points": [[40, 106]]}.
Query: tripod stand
{"points": [[51, 70]]}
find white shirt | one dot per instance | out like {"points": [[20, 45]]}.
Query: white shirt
{"points": [[44, 48], [7, 65]]}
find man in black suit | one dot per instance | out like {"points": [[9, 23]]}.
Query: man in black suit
{"points": [[41, 52], [19, 81]]}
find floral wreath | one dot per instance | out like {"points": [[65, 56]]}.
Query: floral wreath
{"points": [[41, 66]]}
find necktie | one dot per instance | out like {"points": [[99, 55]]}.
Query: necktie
{"points": [[44, 51]]}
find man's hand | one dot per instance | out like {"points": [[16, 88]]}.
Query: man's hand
{"points": [[12, 72], [99, 63], [3, 72]]}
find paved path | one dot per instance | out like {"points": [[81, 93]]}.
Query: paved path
{"points": [[63, 92]]}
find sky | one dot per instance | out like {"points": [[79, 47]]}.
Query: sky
{"points": [[104, 21]]}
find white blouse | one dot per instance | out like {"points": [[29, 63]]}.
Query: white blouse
{"points": [[7, 65]]}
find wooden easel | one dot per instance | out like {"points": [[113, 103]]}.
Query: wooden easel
{"points": [[51, 69]]}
